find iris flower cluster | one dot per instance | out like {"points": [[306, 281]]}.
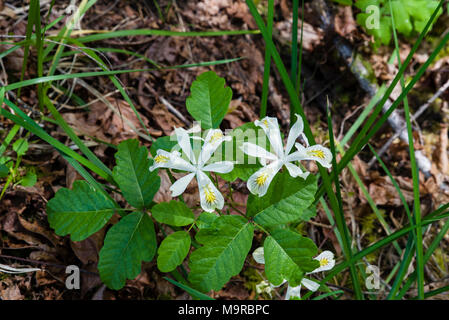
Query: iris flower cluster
{"points": [[272, 162]]}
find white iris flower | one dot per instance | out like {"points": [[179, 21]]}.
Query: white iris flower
{"points": [[327, 262], [259, 182], [210, 196]]}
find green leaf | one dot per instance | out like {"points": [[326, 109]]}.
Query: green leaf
{"points": [[244, 165], [20, 146], [4, 171], [165, 143], [206, 219], [29, 179], [401, 18], [128, 243], [209, 100], [384, 32], [226, 245], [79, 212], [285, 201], [288, 256], [6, 161], [422, 10], [173, 251], [173, 213], [240, 171], [363, 4], [132, 174]]}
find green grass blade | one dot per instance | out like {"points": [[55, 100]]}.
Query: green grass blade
{"points": [[406, 257], [28, 35], [403, 267], [151, 32], [364, 137], [267, 63], [35, 11], [436, 215], [194, 293], [11, 134], [435, 244], [362, 117], [296, 104], [329, 294], [370, 201], [24, 121], [294, 56], [86, 175], [337, 206], [69, 131], [415, 173], [435, 292], [64, 34], [298, 78]]}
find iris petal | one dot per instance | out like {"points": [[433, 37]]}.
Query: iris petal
{"points": [[213, 140], [210, 196], [181, 184], [271, 128], [316, 152], [184, 142], [309, 284], [293, 292], [254, 150], [258, 255], [259, 182], [294, 133], [220, 167]]}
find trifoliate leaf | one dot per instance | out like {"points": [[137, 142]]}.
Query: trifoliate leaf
{"points": [[173, 251], [206, 219], [288, 256], [284, 202], [240, 171], [244, 165], [128, 243], [173, 213], [226, 245], [209, 100], [132, 174], [79, 212]]}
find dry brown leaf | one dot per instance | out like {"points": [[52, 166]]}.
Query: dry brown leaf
{"points": [[311, 38], [384, 193], [165, 119], [239, 114], [38, 229], [11, 293], [164, 193], [102, 123], [344, 21]]}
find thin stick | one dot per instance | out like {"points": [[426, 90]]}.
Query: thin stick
{"points": [[414, 117], [43, 263]]}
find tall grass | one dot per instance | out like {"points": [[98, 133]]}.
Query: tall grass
{"points": [[367, 125], [51, 49]]}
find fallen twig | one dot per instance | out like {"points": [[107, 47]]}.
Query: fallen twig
{"points": [[413, 118]]}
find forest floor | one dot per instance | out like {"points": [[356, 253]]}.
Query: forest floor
{"points": [[26, 238]]}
